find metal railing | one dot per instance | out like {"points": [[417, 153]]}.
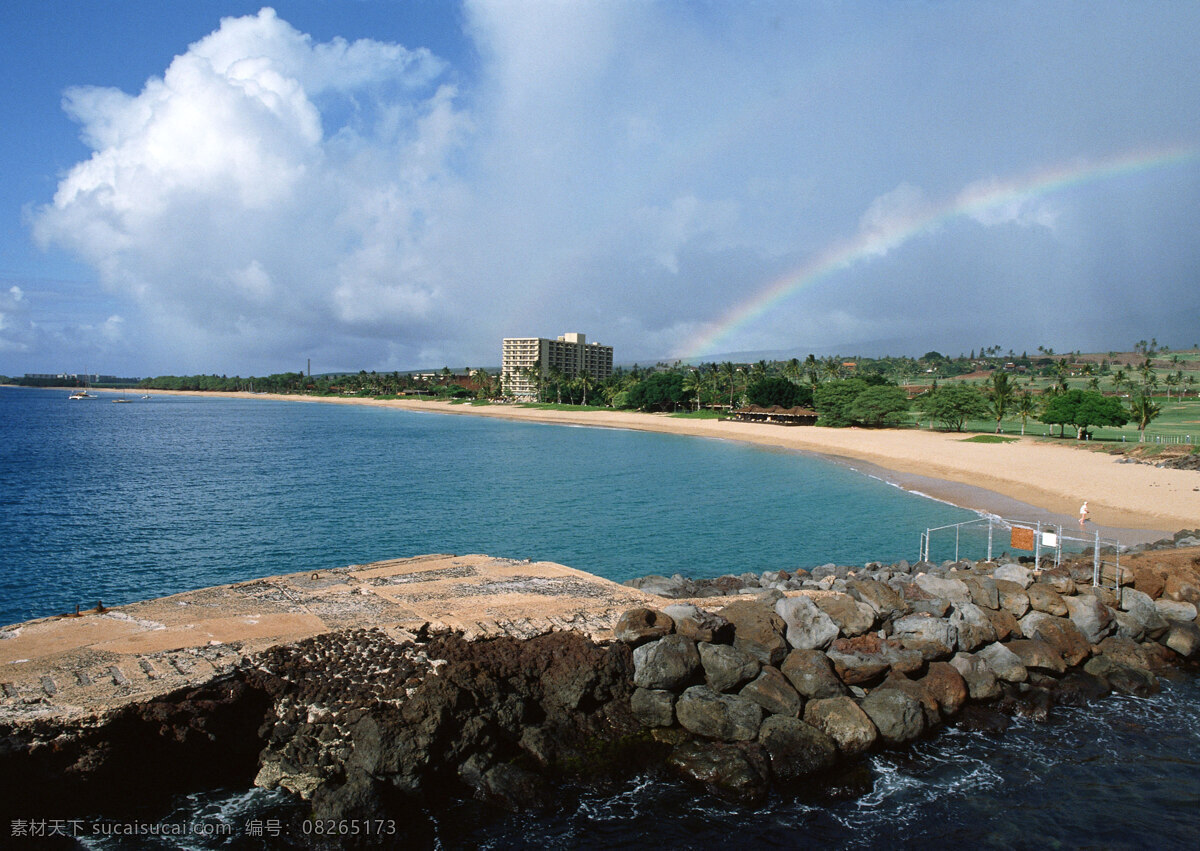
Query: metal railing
{"points": [[1048, 538]]}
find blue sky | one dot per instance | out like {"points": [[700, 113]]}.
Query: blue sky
{"points": [[379, 184]]}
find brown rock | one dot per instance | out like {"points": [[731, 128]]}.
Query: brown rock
{"points": [[637, 626], [947, 687], [1043, 598], [757, 630], [1182, 586], [1037, 655], [844, 721], [1149, 580], [811, 673], [1061, 634], [774, 693], [917, 691], [1006, 625]]}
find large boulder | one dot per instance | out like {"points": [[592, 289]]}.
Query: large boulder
{"points": [[736, 773], [757, 630], [868, 657], [669, 663], [1126, 679], [1036, 655], [1184, 638], [1141, 607], [849, 615], [1127, 652], [932, 637], [978, 675], [972, 627], [844, 721], [1043, 598], [944, 588], [811, 673], [983, 591], [808, 628], [1061, 634], [1013, 598], [1005, 624], [916, 690], [884, 602], [1093, 619], [1006, 664], [774, 693], [947, 686], [1060, 579], [727, 717], [897, 716], [796, 748], [1012, 572], [653, 707], [698, 624], [1174, 610], [637, 626], [726, 668]]}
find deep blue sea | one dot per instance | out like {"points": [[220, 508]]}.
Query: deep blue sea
{"points": [[124, 502]]}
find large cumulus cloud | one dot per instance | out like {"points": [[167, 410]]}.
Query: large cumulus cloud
{"points": [[267, 192]]}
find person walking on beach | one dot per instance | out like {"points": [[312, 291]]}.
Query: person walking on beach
{"points": [[1083, 514]]}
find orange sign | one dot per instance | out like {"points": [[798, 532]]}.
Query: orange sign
{"points": [[1022, 538]]}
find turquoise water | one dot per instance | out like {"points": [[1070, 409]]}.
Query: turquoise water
{"points": [[127, 502]]}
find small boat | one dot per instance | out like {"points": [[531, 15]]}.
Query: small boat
{"points": [[121, 400], [83, 394]]}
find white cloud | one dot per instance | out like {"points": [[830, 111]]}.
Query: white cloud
{"points": [[991, 202], [890, 218], [223, 200]]}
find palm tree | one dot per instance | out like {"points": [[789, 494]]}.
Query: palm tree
{"points": [[585, 382], [1026, 407], [729, 373], [1000, 396], [812, 369], [1144, 409], [694, 382]]}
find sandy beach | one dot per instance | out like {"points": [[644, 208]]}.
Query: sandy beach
{"points": [[1028, 480]]}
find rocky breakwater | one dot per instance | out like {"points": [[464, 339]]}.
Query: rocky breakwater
{"points": [[823, 666]]}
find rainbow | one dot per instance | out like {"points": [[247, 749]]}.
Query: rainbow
{"points": [[975, 201]]}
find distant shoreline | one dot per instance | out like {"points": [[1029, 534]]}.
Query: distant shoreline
{"points": [[1027, 480]]}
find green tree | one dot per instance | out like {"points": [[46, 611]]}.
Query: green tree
{"points": [[1000, 396], [834, 398], [1145, 410], [1084, 409], [1026, 407], [879, 406], [659, 391], [774, 390], [954, 404]]}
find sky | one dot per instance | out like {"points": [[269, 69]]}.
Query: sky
{"points": [[231, 188]]}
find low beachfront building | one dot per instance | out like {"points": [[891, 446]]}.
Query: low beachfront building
{"points": [[524, 359]]}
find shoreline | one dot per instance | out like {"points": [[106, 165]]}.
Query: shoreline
{"points": [[1029, 480]]}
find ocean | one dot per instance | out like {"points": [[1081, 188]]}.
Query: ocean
{"points": [[126, 502]]}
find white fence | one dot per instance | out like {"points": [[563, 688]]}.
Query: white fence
{"points": [[983, 537]]}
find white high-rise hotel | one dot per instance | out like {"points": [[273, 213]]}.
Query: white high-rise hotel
{"points": [[570, 354]]}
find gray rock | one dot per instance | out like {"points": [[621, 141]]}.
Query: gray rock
{"points": [[757, 630], [1093, 618], [1128, 626], [668, 663], [897, 716], [972, 627], [727, 717], [674, 587], [1174, 610], [1013, 598], [796, 748], [950, 589], [1012, 572], [1141, 607], [933, 637], [1184, 638], [884, 602], [808, 628], [983, 591], [980, 678], [844, 721], [1006, 664], [811, 673], [637, 626], [698, 624], [726, 668], [653, 707], [772, 691], [849, 615]]}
